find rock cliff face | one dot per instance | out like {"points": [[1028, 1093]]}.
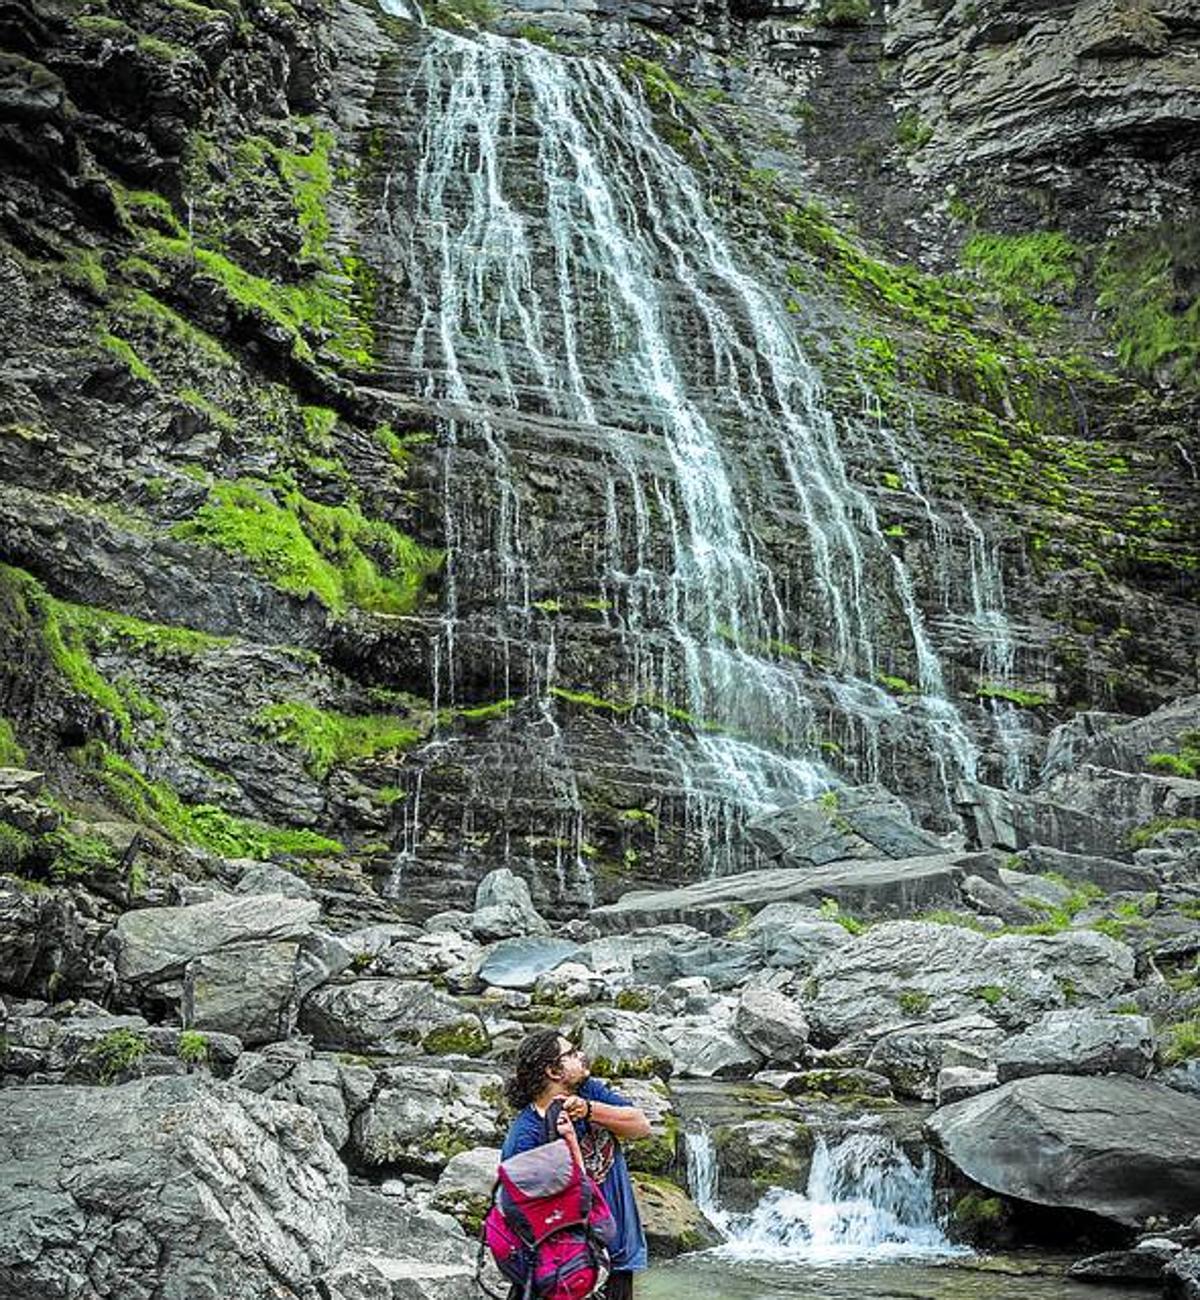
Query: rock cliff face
{"points": [[424, 451]]}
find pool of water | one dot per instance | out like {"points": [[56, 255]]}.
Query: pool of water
{"points": [[711, 1275]]}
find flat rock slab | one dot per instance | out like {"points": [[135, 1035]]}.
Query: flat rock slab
{"points": [[517, 963], [1122, 1148], [880, 886], [173, 1183]]}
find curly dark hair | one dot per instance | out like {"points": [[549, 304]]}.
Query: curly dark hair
{"points": [[537, 1053]]}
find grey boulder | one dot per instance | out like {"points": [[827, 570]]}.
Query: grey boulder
{"points": [[1079, 1042], [419, 1118], [518, 963], [1122, 1148], [172, 1186], [390, 1016], [504, 908], [398, 1252], [154, 943]]}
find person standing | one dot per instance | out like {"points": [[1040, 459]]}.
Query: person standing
{"points": [[550, 1068]]}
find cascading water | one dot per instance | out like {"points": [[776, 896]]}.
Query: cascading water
{"points": [[865, 1200], [565, 282]]}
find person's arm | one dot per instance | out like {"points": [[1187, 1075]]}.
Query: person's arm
{"points": [[599, 1105]]}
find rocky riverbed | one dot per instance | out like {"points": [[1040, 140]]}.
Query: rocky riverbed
{"points": [[225, 1076]]}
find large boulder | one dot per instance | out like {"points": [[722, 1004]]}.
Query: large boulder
{"points": [[155, 943], [419, 1118], [772, 1024], [335, 1091], [912, 1057], [624, 1043], [673, 1222], [1079, 1042], [706, 1048], [722, 962], [1122, 1148], [464, 1187], [398, 1252], [181, 1186], [504, 908], [913, 971], [389, 1016], [876, 887], [247, 989], [795, 937]]}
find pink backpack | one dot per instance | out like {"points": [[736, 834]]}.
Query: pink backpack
{"points": [[549, 1228]]}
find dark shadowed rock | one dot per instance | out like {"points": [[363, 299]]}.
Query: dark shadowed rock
{"points": [[1122, 1148]]}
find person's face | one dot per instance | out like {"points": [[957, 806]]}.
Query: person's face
{"points": [[572, 1066]]}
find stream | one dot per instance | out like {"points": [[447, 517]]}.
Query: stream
{"points": [[866, 1225]]}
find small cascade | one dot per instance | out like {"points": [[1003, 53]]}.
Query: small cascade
{"points": [[865, 1201]]}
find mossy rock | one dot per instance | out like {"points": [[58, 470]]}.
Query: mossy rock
{"points": [[463, 1038]]}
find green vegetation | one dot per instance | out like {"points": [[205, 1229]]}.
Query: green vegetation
{"points": [[974, 1210], [1185, 762], [1023, 270], [124, 352], [466, 1038], [911, 132], [943, 916], [913, 1002], [11, 753], [192, 1047], [632, 1000], [328, 739], [333, 553], [992, 994], [119, 1052], [15, 846], [1143, 835], [831, 911], [205, 825], [1146, 282], [844, 13], [1183, 1042], [76, 854], [461, 15], [1022, 699], [896, 685], [1059, 916]]}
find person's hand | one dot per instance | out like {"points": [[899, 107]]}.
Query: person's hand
{"points": [[564, 1126], [573, 1105]]}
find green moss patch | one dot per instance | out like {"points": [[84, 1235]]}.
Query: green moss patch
{"points": [[333, 553], [328, 739], [205, 825]]}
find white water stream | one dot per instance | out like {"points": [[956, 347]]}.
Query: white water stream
{"points": [[865, 1200], [561, 262]]}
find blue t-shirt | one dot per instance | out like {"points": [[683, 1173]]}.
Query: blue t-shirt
{"points": [[528, 1130]]}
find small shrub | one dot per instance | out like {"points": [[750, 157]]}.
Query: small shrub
{"points": [[15, 846], [1183, 1042], [118, 1053], [914, 1002], [192, 1047], [11, 753]]}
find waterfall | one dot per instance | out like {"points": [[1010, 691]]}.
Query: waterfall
{"points": [[865, 1200], [565, 287]]}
